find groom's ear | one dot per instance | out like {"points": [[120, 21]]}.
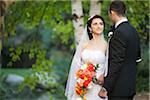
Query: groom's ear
{"points": [[113, 13]]}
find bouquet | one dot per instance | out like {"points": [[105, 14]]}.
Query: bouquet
{"points": [[85, 78]]}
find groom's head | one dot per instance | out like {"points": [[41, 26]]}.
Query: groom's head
{"points": [[116, 8]]}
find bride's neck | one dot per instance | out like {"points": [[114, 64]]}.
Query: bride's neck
{"points": [[96, 38]]}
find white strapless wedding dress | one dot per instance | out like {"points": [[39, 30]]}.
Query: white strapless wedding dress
{"points": [[95, 57]]}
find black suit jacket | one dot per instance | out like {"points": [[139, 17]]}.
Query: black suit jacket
{"points": [[124, 50]]}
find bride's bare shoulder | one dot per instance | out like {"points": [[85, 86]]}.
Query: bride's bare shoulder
{"points": [[85, 45], [105, 46]]}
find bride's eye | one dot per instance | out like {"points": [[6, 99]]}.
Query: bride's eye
{"points": [[94, 23], [101, 23]]}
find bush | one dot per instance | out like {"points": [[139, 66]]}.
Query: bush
{"points": [[143, 71]]}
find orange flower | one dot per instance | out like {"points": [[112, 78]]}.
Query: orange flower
{"points": [[84, 97], [90, 67], [86, 83], [84, 78], [78, 89], [79, 72]]}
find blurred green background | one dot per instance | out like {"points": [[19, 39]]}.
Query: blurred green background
{"points": [[39, 40]]}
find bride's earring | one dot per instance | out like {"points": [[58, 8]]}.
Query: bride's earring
{"points": [[90, 30]]}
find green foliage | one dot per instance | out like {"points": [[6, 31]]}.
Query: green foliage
{"points": [[41, 73], [85, 5], [14, 55], [138, 14], [34, 27], [42, 14], [104, 14], [143, 71], [34, 20]]}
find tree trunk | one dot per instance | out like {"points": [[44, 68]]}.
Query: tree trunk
{"points": [[2, 11], [77, 13], [95, 7], [1, 37], [4, 4]]}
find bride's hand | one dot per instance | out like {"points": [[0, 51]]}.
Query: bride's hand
{"points": [[100, 80]]}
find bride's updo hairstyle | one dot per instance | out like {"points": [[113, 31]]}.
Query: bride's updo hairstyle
{"points": [[89, 22]]}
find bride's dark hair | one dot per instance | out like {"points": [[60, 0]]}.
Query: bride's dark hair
{"points": [[89, 24]]}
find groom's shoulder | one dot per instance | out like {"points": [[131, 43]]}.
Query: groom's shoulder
{"points": [[125, 28], [122, 31], [123, 25]]}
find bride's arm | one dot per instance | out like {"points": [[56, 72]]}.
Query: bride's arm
{"points": [[102, 69], [100, 74]]}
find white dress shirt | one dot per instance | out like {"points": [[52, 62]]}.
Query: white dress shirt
{"points": [[120, 21]]}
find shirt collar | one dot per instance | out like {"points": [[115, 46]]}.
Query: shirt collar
{"points": [[120, 21]]}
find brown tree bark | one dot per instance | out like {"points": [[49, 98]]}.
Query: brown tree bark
{"points": [[4, 4]]}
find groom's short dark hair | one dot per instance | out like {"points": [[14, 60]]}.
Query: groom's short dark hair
{"points": [[118, 7]]}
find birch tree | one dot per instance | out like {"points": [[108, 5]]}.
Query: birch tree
{"points": [[78, 23], [95, 7]]}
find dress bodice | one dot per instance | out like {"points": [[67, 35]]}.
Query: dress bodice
{"points": [[93, 56]]}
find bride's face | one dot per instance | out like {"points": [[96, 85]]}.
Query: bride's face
{"points": [[97, 26]]}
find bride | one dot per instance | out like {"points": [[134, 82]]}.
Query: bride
{"points": [[91, 49]]}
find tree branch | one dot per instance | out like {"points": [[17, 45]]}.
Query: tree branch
{"points": [[41, 18]]}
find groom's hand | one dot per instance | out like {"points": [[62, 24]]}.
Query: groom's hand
{"points": [[102, 93]]}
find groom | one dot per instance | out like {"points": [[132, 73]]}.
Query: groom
{"points": [[124, 53]]}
